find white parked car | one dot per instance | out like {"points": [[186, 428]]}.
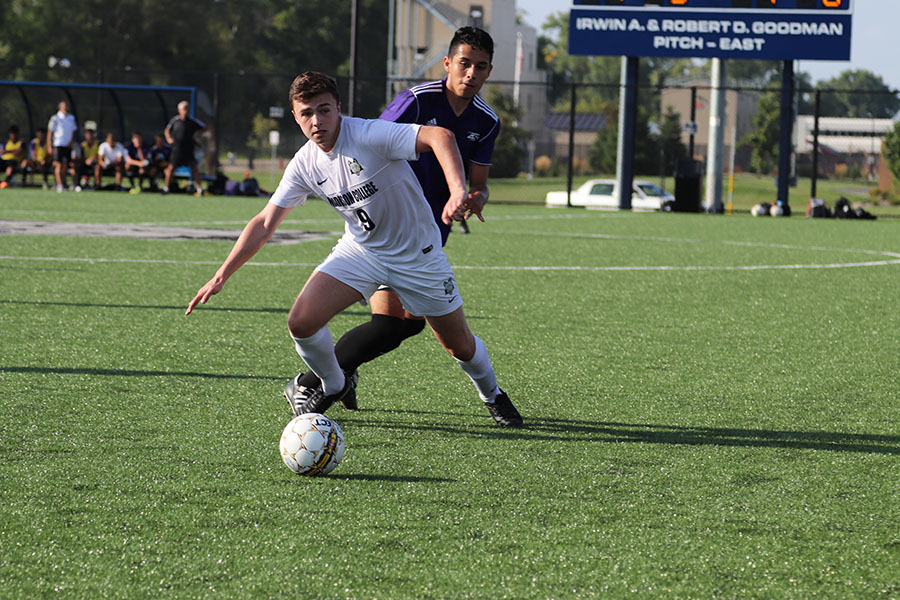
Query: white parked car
{"points": [[602, 193]]}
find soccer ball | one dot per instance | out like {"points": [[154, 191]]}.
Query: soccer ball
{"points": [[776, 211], [312, 444]]}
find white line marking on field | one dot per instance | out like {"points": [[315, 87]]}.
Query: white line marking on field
{"points": [[138, 231], [874, 263], [832, 265], [150, 261]]}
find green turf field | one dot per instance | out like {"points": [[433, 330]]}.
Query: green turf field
{"points": [[712, 408]]}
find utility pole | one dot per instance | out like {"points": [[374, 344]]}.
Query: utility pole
{"points": [[714, 151], [784, 143], [354, 17], [628, 85]]}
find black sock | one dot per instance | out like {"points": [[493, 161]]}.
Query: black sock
{"points": [[368, 341]]}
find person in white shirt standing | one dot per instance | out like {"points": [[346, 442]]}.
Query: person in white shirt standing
{"points": [[390, 238], [62, 128]]}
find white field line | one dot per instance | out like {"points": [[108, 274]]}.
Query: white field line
{"points": [[833, 265], [874, 263]]}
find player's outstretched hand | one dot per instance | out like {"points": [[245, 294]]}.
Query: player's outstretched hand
{"points": [[455, 208], [213, 286], [474, 205]]}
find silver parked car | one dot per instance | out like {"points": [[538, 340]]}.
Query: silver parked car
{"points": [[602, 193]]}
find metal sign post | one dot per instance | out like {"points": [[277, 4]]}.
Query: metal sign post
{"points": [[274, 138], [628, 85], [716, 141], [786, 123]]}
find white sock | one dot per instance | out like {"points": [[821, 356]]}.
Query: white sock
{"points": [[481, 372], [317, 351]]}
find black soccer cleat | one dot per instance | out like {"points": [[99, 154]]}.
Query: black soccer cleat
{"points": [[504, 412], [306, 400], [296, 394], [349, 401]]}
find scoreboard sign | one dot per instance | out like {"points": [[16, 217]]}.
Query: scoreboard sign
{"points": [[749, 29]]}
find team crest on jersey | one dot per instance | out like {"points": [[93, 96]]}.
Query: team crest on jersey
{"points": [[432, 121], [473, 136], [449, 286], [355, 167]]}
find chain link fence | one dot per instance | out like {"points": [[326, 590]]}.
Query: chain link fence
{"points": [[560, 133]]}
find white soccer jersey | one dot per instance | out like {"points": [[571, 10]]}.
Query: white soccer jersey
{"points": [[367, 180], [112, 154], [62, 128]]}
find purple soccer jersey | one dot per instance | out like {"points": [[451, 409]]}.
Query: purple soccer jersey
{"points": [[475, 129]]}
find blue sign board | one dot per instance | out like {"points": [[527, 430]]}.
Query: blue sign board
{"points": [[748, 29]]}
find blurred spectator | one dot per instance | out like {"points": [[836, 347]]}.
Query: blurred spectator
{"points": [[112, 158], [88, 166], [40, 159], [12, 153], [137, 161], [160, 156], [180, 133], [62, 128]]}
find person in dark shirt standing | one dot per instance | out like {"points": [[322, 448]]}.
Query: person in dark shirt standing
{"points": [[180, 134], [452, 103]]}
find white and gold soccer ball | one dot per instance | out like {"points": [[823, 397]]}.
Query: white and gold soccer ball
{"points": [[312, 444]]}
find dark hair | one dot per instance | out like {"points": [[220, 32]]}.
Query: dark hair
{"points": [[14, 129], [472, 36], [311, 83]]}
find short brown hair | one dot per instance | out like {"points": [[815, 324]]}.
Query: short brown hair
{"points": [[311, 83]]}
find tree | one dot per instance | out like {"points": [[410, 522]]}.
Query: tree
{"points": [[603, 153], [860, 94], [764, 137], [805, 96], [509, 149], [891, 151], [753, 72], [597, 76], [669, 140], [258, 45]]}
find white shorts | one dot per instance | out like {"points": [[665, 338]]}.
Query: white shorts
{"points": [[426, 288]]}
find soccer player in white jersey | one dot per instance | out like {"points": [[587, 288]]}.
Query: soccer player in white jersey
{"points": [[452, 103], [359, 167]]}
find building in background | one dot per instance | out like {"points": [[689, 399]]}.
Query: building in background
{"points": [[421, 31], [848, 147], [555, 142], [740, 109], [885, 177]]}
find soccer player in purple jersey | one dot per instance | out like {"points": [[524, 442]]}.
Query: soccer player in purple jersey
{"points": [[452, 103]]}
